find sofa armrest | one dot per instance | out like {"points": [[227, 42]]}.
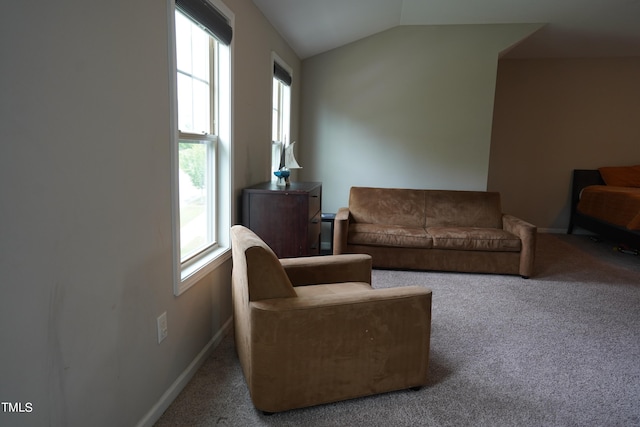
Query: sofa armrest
{"points": [[341, 231], [315, 270], [528, 234], [311, 350]]}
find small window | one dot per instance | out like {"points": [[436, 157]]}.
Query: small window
{"points": [[281, 112]]}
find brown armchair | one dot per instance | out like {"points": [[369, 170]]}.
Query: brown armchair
{"points": [[312, 330]]}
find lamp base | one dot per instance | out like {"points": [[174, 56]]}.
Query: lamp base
{"points": [[283, 177]]}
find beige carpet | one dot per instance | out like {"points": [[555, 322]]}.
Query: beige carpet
{"points": [[559, 349]]}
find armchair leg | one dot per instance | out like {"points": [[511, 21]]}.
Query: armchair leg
{"points": [[267, 413]]}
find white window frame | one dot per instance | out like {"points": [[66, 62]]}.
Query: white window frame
{"points": [[284, 114], [194, 269]]}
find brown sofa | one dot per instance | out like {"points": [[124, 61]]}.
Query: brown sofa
{"points": [[312, 330], [446, 230]]}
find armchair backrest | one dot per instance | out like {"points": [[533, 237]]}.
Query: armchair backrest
{"points": [[256, 268]]}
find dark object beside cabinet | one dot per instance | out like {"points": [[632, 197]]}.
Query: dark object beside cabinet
{"points": [[286, 218]]}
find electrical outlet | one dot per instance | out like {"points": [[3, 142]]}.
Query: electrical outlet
{"points": [[163, 330]]}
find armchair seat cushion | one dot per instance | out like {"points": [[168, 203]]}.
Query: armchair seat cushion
{"points": [[474, 239], [388, 235]]}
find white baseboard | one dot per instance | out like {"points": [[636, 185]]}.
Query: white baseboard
{"points": [[183, 379]]}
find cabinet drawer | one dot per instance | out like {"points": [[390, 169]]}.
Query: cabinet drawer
{"points": [[288, 218], [313, 239], [314, 201]]}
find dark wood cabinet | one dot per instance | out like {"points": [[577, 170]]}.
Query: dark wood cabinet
{"points": [[288, 219]]}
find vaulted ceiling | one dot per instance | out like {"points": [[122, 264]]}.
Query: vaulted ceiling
{"points": [[572, 28]]}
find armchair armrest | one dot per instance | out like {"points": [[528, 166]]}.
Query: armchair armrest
{"points": [[340, 231], [317, 270], [319, 349], [528, 234]]}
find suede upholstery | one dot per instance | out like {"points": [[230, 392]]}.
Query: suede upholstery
{"points": [[323, 334], [445, 230]]}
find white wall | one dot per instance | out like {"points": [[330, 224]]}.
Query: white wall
{"points": [[85, 218], [409, 107]]}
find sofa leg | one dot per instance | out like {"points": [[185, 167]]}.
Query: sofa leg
{"points": [[525, 277], [267, 413], [416, 388]]}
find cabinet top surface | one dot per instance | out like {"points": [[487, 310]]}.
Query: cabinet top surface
{"points": [[294, 186]]}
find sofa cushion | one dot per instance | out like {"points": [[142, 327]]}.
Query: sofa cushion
{"points": [[388, 235], [387, 206], [463, 209], [474, 239]]}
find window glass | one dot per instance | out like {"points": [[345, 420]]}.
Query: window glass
{"points": [[196, 220], [195, 53], [280, 119]]}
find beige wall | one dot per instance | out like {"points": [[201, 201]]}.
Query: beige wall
{"points": [[255, 39], [85, 237], [408, 107], [555, 115]]}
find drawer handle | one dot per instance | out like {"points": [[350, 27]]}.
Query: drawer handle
{"points": [[316, 196], [314, 221]]}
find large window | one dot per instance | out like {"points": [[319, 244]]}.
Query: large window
{"points": [[281, 110], [196, 63], [202, 138]]}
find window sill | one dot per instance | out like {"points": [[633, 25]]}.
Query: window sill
{"points": [[190, 275]]}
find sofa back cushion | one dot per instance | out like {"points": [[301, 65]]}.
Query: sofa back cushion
{"points": [[447, 208], [387, 206]]}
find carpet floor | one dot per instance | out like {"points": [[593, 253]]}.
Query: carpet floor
{"points": [[559, 349]]}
